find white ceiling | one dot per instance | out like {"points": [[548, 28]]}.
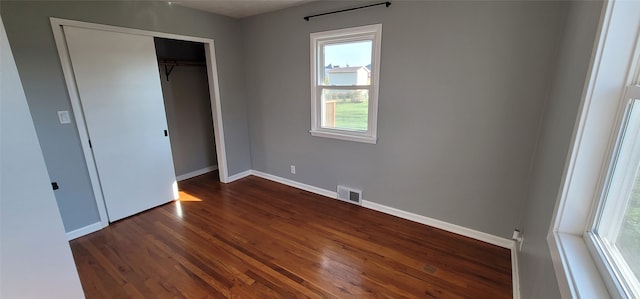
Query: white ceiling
{"points": [[238, 8]]}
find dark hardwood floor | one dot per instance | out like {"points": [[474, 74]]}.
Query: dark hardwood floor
{"points": [[254, 238]]}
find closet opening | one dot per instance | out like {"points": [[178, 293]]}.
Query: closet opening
{"points": [[182, 67]]}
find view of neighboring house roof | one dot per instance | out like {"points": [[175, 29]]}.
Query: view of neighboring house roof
{"points": [[349, 69]]}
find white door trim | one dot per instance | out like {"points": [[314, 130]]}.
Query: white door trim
{"points": [[214, 93]]}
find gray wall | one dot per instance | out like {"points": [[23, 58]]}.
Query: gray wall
{"points": [[461, 96], [463, 91], [35, 257], [537, 275], [30, 36], [188, 108]]}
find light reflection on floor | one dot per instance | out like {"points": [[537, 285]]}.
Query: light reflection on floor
{"points": [[332, 264], [178, 208]]}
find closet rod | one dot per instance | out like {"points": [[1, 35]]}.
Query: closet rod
{"points": [[181, 62], [170, 64], [387, 3]]}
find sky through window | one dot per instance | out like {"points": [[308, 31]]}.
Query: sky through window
{"points": [[351, 54]]}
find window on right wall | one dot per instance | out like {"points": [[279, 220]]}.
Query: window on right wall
{"points": [[345, 67], [614, 237], [594, 239]]}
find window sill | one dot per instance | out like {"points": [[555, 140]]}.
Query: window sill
{"points": [[574, 265], [344, 136]]}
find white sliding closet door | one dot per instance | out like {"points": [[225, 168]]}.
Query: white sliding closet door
{"points": [[119, 87]]}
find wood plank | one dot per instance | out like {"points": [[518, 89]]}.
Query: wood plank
{"points": [[254, 238]]}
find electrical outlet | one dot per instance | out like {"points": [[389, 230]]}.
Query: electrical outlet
{"points": [[293, 169]]}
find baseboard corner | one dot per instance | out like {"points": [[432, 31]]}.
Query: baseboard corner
{"points": [[196, 173], [238, 176], [83, 231]]}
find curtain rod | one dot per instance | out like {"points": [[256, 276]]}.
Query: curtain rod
{"points": [[348, 9]]}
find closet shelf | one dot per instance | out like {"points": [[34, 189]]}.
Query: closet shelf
{"points": [[170, 64]]}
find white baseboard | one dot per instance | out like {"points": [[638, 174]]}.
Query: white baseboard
{"points": [[456, 229], [467, 232], [295, 184], [85, 230], [196, 173], [515, 277], [238, 176]]}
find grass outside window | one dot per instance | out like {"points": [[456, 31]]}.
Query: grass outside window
{"points": [[353, 116]]}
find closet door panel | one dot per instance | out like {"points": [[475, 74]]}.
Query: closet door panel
{"points": [[119, 86]]}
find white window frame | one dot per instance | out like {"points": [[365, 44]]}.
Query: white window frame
{"points": [[616, 180], [581, 269], [615, 191], [317, 39]]}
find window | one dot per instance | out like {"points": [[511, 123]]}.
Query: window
{"points": [[615, 234], [594, 235], [345, 67]]}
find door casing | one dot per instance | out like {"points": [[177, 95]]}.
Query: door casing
{"points": [[214, 93]]}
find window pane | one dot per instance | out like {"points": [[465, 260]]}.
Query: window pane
{"points": [[347, 64], [628, 241], [619, 222], [345, 109]]}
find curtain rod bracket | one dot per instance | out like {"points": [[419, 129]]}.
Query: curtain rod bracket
{"points": [[386, 4]]}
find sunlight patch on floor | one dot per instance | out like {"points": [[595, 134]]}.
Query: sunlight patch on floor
{"points": [[184, 196]]}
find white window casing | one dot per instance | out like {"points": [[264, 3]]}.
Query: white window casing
{"points": [[581, 267], [318, 40]]}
